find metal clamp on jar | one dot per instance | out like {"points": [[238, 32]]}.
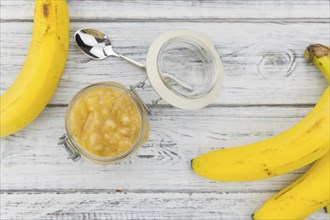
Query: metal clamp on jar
{"points": [[107, 122]]}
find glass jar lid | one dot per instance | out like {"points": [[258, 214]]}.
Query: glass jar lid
{"points": [[184, 68]]}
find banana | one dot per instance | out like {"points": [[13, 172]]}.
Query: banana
{"points": [[43, 67], [303, 197], [300, 145], [320, 56]]}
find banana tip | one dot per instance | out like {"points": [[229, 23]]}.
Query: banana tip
{"points": [[326, 210]]}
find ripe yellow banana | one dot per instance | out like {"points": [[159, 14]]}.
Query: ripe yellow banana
{"points": [[300, 145], [44, 64], [303, 197], [320, 56]]}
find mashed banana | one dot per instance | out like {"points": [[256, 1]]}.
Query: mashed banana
{"points": [[105, 122]]}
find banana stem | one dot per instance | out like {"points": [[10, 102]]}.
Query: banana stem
{"points": [[317, 50], [320, 56]]}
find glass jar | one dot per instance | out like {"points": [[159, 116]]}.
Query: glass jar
{"points": [[75, 150]]}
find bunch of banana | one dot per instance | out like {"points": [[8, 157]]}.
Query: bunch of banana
{"points": [[300, 145], [311, 191], [43, 67]]}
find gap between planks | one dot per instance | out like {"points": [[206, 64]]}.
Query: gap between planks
{"points": [[114, 191], [187, 20], [295, 105]]}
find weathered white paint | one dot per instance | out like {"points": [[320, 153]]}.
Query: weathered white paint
{"points": [[240, 45], [38, 182], [105, 10], [176, 137], [103, 206]]}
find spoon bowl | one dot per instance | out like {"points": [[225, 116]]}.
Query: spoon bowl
{"points": [[94, 44]]}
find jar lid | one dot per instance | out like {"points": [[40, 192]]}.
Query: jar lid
{"points": [[185, 69]]}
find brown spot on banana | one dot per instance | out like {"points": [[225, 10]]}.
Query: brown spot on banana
{"points": [[46, 10], [48, 27]]}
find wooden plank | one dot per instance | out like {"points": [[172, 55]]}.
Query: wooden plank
{"points": [[101, 206], [240, 45], [31, 159], [177, 10], [37, 182]]}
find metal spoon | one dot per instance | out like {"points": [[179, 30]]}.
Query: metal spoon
{"points": [[97, 45]]}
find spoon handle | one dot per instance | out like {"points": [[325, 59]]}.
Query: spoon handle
{"points": [[140, 65], [166, 75]]}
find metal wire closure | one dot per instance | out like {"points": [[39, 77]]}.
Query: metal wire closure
{"points": [[65, 143], [141, 85]]}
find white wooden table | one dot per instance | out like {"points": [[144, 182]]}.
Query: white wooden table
{"points": [[38, 182]]}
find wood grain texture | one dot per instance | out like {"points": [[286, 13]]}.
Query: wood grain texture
{"points": [[240, 45], [38, 182], [176, 137], [119, 10], [104, 206]]}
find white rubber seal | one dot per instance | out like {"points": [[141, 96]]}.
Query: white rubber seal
{"points": [[159, 86]]}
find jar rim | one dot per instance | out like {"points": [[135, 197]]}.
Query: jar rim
{"points": [[157, 81], [135, 100]]}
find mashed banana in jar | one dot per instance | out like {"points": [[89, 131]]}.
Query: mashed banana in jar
{"points": [[105, 122]]}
